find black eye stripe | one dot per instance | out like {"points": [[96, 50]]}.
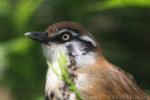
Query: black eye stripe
{"points": [[88, 44], [65, 37], [62, 35], [59, 38]]}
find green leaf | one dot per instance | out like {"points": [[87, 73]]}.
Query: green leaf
{"points": [[111, 4], [23, 12]]}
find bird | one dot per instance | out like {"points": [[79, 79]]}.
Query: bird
{"points": [[93, 75]]}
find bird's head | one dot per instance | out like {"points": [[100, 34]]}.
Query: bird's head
{"points": [[69, 38]]}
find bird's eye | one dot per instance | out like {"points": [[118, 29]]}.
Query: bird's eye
{"points": [[65, 37]]}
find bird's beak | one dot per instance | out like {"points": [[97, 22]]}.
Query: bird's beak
{"points": [[38, 36]]}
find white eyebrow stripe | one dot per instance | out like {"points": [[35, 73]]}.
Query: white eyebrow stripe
{"points": [[87, 38], [67, 30]]}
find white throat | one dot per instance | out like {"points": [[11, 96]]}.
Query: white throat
{"points": [[53, 81]]}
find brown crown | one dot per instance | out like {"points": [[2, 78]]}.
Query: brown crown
{"points": [[69, 25]]}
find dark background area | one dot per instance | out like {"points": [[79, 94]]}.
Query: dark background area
{"points": [[122, 27]]}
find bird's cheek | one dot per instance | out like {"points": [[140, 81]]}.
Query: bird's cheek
{"points": [[47, 50]]}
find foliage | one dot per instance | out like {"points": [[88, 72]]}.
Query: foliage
{"points": [[23, 12], [109, 4]]}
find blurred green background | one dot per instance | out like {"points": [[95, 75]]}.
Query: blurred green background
{"points": [[121, 26]]}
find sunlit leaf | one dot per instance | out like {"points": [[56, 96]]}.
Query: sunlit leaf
{"points": [[110, 4], [23, 12], [4, 7]]}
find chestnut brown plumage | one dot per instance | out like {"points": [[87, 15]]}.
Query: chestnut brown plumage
{"points": [[93, 75]]}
